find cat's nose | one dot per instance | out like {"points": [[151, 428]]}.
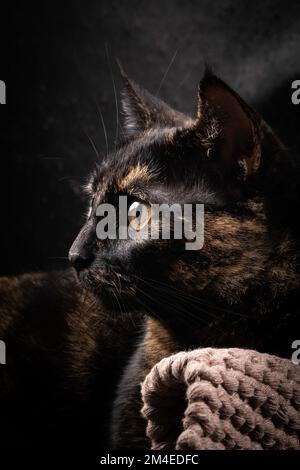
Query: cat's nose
{"points": [[81, 253], [80, 260]]}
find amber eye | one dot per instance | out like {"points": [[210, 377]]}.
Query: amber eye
{"points": [[139, 215]]}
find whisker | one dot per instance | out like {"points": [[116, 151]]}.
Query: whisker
{"points": [[115, 93], [166, 72], [217, 322], [144, 305], [93, 145], [182, 297], [184, 314], [104, 128], [197, 299], [115, 295], [51, 158]]}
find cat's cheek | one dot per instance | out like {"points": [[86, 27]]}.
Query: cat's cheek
{"points": [[182, 273]]}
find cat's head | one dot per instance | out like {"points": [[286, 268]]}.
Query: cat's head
{"points": [[215, 159]]}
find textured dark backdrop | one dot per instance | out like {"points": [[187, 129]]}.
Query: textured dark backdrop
{"points": [[53, 59]]}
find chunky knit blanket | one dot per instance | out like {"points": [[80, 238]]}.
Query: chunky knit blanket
{"points": [[223, 399]]}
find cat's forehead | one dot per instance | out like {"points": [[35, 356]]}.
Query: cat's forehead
{"points": [[137, 162]]}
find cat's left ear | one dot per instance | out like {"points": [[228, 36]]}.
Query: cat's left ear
{"points": [[142, 110], [228, 126]]}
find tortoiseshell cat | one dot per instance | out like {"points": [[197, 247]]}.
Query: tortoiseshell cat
{"points": [[241, 289]]}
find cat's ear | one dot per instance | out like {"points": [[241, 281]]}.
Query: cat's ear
{"points": [[142, 110], [228, 126]]}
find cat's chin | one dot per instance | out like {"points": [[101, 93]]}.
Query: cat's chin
{"points": [[115, 303], [114, 296]]}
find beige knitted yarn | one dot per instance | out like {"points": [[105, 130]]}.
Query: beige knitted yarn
{"points": [[223, 399]]}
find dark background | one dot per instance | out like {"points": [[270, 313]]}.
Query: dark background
{"points": [[54, 59]]}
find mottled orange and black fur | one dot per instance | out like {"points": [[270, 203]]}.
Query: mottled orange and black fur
{"points": [[241, 289], [64, 358]]}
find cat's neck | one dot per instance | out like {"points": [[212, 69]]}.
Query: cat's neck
{"points": [[261, 321]]}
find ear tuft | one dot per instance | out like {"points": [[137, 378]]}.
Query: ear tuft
{"points": [[137, 116], [208, 77], [142, 110]]}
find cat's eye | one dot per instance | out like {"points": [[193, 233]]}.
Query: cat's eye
{"points": [[139, 215]]}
